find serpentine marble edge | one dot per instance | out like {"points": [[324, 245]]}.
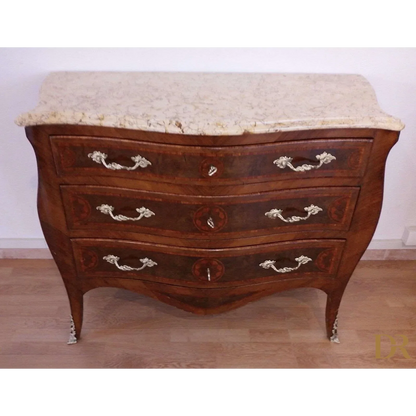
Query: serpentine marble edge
{"points": [[209, 103]]}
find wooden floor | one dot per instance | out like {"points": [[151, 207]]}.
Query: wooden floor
{"points": [[286, 330]]}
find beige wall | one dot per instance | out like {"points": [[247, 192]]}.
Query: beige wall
{"points": [[390, 71]]}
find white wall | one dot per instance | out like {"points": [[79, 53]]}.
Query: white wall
{"points": [[392, 72]]}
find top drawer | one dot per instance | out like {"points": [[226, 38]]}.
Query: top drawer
{"points": [[89, 156]]}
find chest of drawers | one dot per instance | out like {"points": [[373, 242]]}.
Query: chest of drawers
{"points": [[208, 191]]}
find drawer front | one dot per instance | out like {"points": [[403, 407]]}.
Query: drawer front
{"points": [[207, 268], [193, 164], [92, 207]]}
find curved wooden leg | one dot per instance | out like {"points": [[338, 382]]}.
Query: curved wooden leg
{"points": [[76, 302], [331, 315]]}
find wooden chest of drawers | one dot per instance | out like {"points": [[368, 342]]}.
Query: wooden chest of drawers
{"points": [[208, 222]]}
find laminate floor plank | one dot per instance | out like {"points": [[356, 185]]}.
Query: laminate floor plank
{"points": [[377, 325]]}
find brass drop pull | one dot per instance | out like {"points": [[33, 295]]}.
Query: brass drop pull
{"points": [[209, 275]]}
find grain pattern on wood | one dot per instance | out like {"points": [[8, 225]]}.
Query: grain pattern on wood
{"points": [[309, 259], [179, 171], [92, 207], [74, 156]]}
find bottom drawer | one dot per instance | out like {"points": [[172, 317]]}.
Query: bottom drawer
{"points": [[207, 268]]}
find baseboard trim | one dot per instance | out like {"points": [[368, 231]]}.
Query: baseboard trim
{"points": [[37, 249], [24, 248], [395, 254], [25, 253]]}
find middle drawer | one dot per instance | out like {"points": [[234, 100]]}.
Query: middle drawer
{"points": [[95, 207]]}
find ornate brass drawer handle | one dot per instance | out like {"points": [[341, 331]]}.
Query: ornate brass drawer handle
{"points": [[108, 210], [324, 158], [114, 260], [100, 157], [277, 213], [270, 264]]}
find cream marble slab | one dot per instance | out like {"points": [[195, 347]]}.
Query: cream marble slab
{"points": [[209, 103]]}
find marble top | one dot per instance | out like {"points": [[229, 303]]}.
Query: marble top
{"points": [[209, 103]]}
